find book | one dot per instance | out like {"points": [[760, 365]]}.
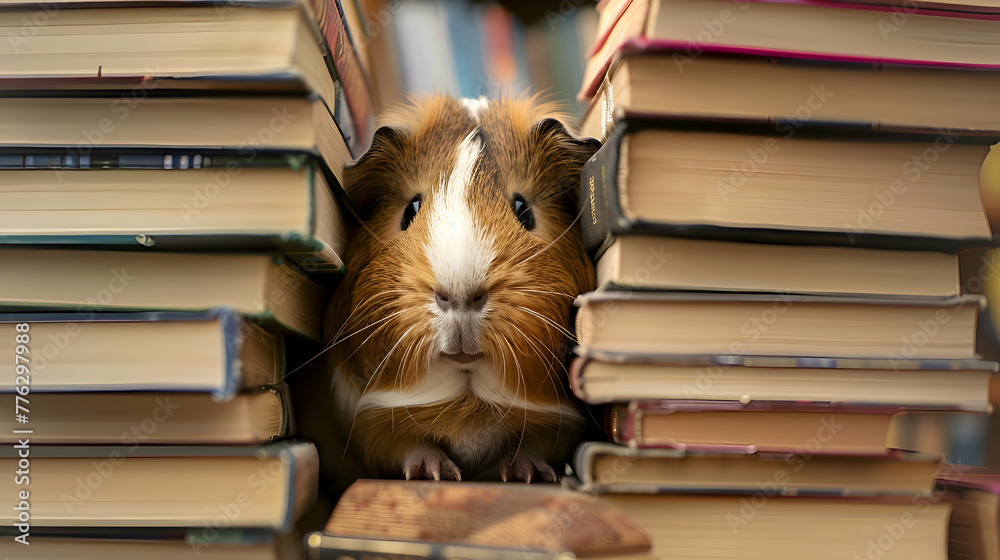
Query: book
{"points": [[289, 209], [494, 515], [778, 325], [770, 527], [216, 352], [974, 531], [603, 377], [247, 128], [646, 262], [152, 418], [773, 427], [262, 287], [608, 467], [283, 46], [791, 94], [159, 545], [649, 179], [811, 30], [974, 6], [165, 486]]}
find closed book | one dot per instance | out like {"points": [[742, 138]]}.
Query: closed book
{"points": [[290, 45], [653, 179], [217, 352], [197, 544], [289, 209], [817, 30], [608, 377], [974, 531], [244, 129], [756, 426], [788, 95], [649, 262], [266, 288], [778, 325], [165, 486], [152, 418], [611, 468], [764, 526]]}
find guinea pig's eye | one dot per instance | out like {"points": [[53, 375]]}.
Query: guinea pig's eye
{"points": [[523, 212], [410, 212]]}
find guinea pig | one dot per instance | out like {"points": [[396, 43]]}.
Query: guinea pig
{"points": [[449, 331]]}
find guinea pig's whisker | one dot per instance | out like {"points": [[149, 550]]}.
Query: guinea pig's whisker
{"points": [[545, 292], [550, 322], [335, 341], [568, 228], [367, 385]]}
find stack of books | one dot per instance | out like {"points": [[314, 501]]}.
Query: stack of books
{"points": [[170, 219], [775, 217]]}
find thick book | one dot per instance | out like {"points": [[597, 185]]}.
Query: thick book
{"points": [[974, 532], [608, 467], [778, 325], [607, 377], [773, 427], [245, 128], [532, 518], [151, 418], [765, 526], [915, 193], [790, 94], [647, 262], [274, 46], [205, 543], [268, 289], [802, 29], [217, 352], [266, 487], [289, 209]]}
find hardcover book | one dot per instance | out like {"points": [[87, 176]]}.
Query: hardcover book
{"points": [[217, 352], [655, 179]]}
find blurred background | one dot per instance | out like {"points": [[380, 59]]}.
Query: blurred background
{"points": [[467, 49]]}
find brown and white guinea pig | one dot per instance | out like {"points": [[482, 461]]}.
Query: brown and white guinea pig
{"points": [[450, 328]]}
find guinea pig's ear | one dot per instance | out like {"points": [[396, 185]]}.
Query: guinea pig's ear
{"points": [[582, 148], [368, 180]]}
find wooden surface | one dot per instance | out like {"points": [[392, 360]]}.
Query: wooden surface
{"points": [[535, 517]]}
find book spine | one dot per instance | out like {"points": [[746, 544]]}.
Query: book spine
{"points": [[616, 420], [349, 73], [600, 209]]}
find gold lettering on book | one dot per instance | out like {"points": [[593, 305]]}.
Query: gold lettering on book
{"points": [[593, 202]]}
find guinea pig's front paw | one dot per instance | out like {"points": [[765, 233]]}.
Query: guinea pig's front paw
{"points": [[526, 467], [430, 462]]}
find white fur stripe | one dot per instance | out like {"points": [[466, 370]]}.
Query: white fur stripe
{"points": [[458, 251]]}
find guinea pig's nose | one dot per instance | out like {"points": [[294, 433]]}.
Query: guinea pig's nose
{"points": [[443, 300], [446, 301], [479, 300]]}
